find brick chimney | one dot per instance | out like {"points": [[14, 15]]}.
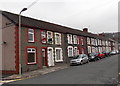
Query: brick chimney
{"points": [[85, 29]]}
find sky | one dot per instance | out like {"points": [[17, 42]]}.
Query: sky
{"points": [[97, 15]]}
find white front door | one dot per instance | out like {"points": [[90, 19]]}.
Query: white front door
{"points": [[50, 57]]}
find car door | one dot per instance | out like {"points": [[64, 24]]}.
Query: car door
{"points": [[83, 58]]}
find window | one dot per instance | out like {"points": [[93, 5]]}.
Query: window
{"points": [[100, 42], [83, 51], [58, 38], [82, 40], [69, 36], [75, 39], [31, 35], [76, 51], [50, 37], [89, 49], [43, 37], [96, 43], [58, 55], [88, 40], [31, 56], [78, 40], [70, 51]]}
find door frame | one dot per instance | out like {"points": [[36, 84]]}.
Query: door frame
{"points": [[46, 59], [52, 54]]}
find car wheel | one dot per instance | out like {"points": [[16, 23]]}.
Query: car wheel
{"points": [[81, 62]]}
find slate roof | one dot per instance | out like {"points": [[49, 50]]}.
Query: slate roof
{"points": [[39, 24]]}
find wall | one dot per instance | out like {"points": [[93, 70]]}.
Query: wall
{"points": [[0, 43], [8, 48]]}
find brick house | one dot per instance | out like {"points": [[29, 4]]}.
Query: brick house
{"points": [[43, 44]]}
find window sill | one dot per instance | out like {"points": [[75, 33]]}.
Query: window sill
{"points": [[32, 63], [59, 61], [31, 42]]}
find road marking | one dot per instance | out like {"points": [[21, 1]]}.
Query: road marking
{"points": [[119, 73]]}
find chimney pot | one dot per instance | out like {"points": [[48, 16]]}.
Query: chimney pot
{"points": [[85, 30]]}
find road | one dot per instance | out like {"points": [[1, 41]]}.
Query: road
{"points": [[104, 71]]}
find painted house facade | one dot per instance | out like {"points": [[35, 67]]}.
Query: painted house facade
{"points": [[43, 44]]}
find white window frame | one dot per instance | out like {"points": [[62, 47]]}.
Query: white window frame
{"points": [[89, 49], [59, 38], [33, 33], [78, 40], [32, 52], [68, 51], [76, 52], [69, 37], [75, 39], [44, 37], [82, 40], [51, 36], [61, 54], [88, 40]]}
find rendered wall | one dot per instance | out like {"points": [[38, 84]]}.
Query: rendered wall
{"points": [[8, 45]]}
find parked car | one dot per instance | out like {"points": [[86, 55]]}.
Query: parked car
{"points": [[93, 56], [101, 55], [113, 52], [79, 59], [107, 53]]}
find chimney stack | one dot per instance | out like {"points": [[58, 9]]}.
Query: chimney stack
{"points": [[85, 30]]}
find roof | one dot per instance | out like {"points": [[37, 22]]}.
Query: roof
{"points": [[39, 24]]}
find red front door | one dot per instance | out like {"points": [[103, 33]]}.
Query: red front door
{"points": [[44, 57]]}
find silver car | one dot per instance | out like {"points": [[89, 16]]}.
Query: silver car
{"points": [[79, 59]]}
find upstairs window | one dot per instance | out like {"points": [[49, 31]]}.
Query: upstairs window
{"points": [[69, 36], [43, 37], [75, 39], [88, 40], [58, 38], [82, 40], [49, 37], [31, 35]]}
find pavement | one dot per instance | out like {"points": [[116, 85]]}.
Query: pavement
{"points": [[15, 77]]}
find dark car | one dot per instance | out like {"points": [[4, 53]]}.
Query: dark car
{"points": [[101, 55], [93, 56], [107, 53]]}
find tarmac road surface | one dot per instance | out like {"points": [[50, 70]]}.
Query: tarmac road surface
{"points": [[104, 71]]}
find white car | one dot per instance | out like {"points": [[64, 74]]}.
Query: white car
{"points": [[79, 59], [113, 52]]}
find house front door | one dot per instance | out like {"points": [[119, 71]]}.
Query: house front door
{"points": [[50, 57], [44, 57]]}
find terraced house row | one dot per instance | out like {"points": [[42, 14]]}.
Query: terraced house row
{"points": [[44, 44]]}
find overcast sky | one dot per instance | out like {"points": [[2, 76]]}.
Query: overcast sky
{"points": [[97, 15]]}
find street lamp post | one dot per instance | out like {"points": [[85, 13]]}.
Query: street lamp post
{"points": [[24, 9]]}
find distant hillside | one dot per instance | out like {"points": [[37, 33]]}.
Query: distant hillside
{"points": [[115, 36]]}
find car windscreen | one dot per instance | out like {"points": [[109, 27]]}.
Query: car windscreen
{"points": [[75, 57]]}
